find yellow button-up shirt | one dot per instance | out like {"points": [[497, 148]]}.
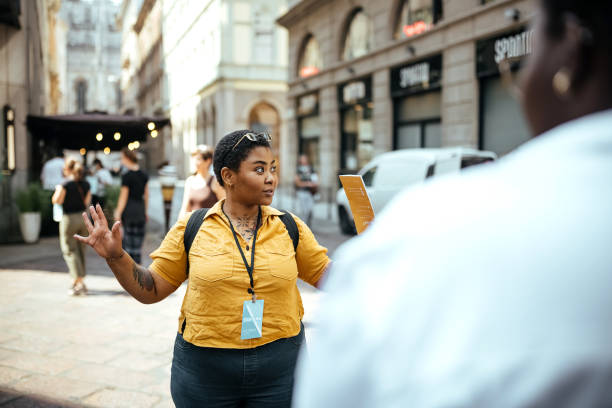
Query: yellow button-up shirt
{"points": [[218, 280]]}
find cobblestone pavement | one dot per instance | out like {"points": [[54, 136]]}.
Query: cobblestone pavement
{"points": [[101, 350]]}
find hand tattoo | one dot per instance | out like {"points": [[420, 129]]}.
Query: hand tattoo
{"points": [[144, 278]]}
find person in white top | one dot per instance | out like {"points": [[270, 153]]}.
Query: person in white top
{"points": [[101, 179], [492, 288], [52, 173]]}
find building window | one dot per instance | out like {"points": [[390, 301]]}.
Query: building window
{"points": [[416, 17], [310, 60], [265, 118], [81, 96], [359, 36]]}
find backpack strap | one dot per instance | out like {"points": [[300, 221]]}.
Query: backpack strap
{"points": [[191, 230], [292, 228]]}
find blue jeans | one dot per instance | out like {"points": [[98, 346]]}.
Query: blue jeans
{"points": [[261, 377]]}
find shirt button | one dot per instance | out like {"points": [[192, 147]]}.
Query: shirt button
{"points": [[247, 247]]}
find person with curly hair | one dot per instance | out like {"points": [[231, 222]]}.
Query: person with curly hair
{"points": [[240, 327]]}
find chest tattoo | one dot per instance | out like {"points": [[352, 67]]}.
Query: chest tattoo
{"points": [[245, 226]]}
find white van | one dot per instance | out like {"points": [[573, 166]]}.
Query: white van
{"points": [[390, 172]]}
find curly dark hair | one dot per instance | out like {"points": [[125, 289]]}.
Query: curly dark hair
{"points": [[224, 156]]}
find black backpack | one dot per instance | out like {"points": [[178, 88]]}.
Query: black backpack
{"points": [[197, 217]]}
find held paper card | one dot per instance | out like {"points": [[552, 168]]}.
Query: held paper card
{"points": [[358, 199]]}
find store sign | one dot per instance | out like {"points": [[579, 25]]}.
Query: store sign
{"points": [[510, 46], [308, 104], [353, 92], [513, 46], [417, 77]]}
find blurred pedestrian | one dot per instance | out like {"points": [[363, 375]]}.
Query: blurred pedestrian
{"points": [[229, 351], [201, 188], [132, 204], [491, 288], [307, 185], [74, 196], [52, 173], [103, 179]]}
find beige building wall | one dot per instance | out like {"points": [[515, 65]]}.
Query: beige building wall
{"points": [[454, 37], [224, 59], [24, 86]]}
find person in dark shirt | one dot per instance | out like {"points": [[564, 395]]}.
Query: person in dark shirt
{"points": [[132, 204], [74, 195]]}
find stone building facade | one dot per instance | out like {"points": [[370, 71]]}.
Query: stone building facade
{"points": [[93, 44], [226, 66], [29, 84], [369, 76], [143, 81], [210, 66]]}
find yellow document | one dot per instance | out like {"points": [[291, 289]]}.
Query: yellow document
{"points": [[358, 199]]}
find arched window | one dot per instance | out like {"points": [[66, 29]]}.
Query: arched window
{"points": [[310, 60], [416, 17], [265, 118], [359, 36], [81, 95]]}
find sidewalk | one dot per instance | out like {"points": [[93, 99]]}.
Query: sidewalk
{"points": [[101, 350]]}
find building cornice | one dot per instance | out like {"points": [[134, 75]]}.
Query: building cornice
{"points": [[297, 11]]}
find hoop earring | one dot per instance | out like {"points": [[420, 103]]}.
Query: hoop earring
{"points": [[562, 82]]}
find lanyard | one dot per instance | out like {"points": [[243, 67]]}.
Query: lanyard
{"points": [[248, 267]]}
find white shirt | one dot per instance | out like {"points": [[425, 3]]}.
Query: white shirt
{"points": [[102, 178], [492, 288], [52, 173]]}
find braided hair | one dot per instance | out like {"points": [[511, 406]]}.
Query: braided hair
{"points": [[225, 156]]}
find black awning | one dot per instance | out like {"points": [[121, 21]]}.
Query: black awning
{"points": [[80, 130]]}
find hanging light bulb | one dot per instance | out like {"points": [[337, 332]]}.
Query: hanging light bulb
{"points": [[151, 125], [154, 134], [99, 137], [117, 135], [107, 150], [83, 151], [136, 144]]}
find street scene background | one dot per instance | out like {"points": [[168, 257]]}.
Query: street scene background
{"points": [[395, 90]]}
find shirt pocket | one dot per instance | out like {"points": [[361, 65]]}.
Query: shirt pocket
{"points": [[281, 259], [210, 262]]}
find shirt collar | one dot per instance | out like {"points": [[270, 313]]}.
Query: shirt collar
{"points": [[266, 211]]}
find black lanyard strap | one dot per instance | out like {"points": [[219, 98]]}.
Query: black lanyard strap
{"points": [[248, 267]]}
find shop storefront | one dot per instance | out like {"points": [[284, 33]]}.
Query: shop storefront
{"points": [[355, 102], [417, 101], [502, 126], [309, 128]]}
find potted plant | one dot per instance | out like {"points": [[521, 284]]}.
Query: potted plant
{"points": [[28, 203]]}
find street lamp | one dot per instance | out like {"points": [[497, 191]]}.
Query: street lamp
{"points": [[8, 162]]}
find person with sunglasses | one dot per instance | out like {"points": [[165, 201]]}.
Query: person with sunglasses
{"points": [[240, 326]]}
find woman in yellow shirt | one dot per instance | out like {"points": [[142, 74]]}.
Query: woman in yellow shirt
{"points": [[240, 323]]}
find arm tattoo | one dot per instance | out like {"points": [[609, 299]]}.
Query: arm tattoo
{"points": [[144, 278]]}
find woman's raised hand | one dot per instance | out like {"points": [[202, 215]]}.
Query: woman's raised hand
{"points": [[106, 243]]}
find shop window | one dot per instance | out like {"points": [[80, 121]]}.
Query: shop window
{"points": [[416, 17], [359, 36], [310, 60]]}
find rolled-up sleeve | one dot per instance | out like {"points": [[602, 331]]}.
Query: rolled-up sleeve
{"points": [[170, 260], [311, 257]]}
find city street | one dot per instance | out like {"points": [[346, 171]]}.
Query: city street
{"points": [[102, 350]]}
